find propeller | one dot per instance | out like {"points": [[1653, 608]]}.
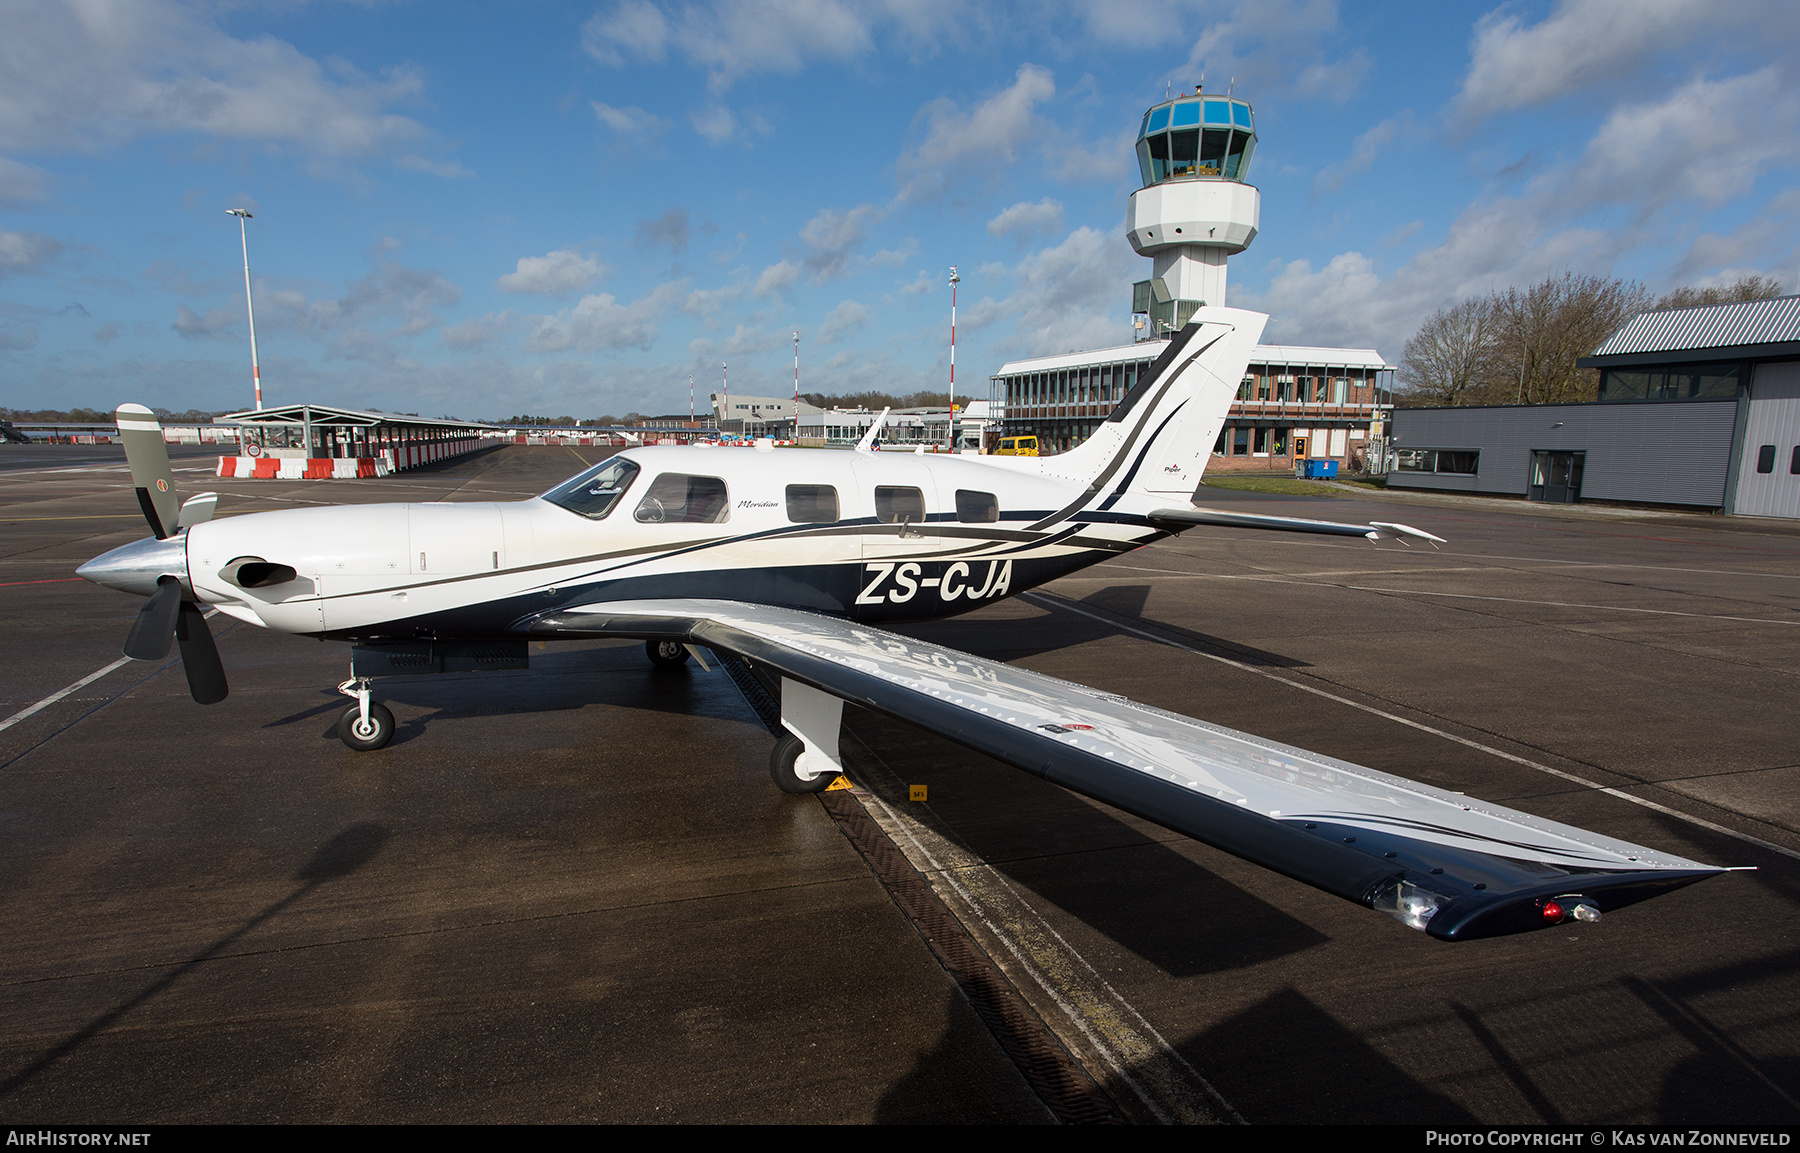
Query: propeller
{"points": [[168, 617]]}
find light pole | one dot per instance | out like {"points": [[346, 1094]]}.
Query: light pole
{"points": [[796, 385], [725, 382], [950, 427], [243, 239]]}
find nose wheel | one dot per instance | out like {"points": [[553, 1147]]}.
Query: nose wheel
{"points": [[366, 725]]}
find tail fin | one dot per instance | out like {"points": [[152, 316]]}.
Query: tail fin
{"points": [[1157, 440]]}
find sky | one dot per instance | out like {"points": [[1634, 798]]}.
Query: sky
{"points": [[557, 208]]}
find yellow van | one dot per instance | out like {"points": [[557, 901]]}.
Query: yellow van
{"points": [[1017, 446]]}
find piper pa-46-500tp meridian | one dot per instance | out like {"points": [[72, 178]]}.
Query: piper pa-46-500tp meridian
{"points": [[789, 559]]}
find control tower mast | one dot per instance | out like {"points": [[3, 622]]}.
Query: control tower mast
{"points": [[1195, 208]]}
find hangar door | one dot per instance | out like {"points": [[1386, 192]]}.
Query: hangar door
{"points": [[1769, 476]]}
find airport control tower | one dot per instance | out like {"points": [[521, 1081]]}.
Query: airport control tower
{"points": [[1194, 209]]}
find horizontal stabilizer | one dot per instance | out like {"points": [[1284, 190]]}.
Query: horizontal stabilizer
{"points": [[1451, 865], [1374, 530]]}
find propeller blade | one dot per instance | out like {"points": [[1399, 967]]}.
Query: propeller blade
{"points": [[154, 629], [197, 509], [150, 473], [199, 656]]}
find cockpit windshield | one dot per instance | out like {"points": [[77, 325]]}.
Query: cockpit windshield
{"points": [[594, 492]]}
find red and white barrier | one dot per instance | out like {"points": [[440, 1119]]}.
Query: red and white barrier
{"points": [[298, 468], [347, 467]]}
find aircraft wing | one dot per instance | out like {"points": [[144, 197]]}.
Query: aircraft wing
{"points": [[1456, 867]]}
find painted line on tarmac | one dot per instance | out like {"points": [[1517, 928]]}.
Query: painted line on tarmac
{"points": [[1058, 603], [1108, 1028], [53, 581], [9, 722]]}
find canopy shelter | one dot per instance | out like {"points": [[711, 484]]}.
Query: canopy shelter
{"points": [[318, 434]]}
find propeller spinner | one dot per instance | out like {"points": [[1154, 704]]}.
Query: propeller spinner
{"points": [[157, 568]]}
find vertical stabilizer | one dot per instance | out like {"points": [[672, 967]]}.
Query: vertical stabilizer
{"points": [[1157, 440]]}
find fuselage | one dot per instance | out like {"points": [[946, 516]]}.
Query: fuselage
{"points": [[870, 536]]}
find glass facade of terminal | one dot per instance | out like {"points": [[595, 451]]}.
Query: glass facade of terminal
{"points": [[1194, 137]]}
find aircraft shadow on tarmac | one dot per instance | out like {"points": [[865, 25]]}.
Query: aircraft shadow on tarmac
{"points": [[1037, 835], [1081, 857], [344, 854], [561, 679]]}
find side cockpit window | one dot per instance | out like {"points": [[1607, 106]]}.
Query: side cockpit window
{"points": [[976, 507], [812, 503], [897, 505], [678, 498], [594, 492]]}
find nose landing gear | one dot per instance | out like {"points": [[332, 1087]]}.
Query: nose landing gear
{"points": [[366, 725]]}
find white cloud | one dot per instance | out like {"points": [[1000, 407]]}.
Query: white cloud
{"points": [[1726, 133], [75, 75], [706, 302], [552, 274], [448, 169], [632, 121], [777, 278], [849, 316], [671, 228], [719, 124], [1276, 48], [1074, 295], [26, 252], [1363, 153], [21, 183], [478, 330], [634, 26], [831, 238], [1586, 43], [921, 284], [599, 322], [371, 321], [214, 324], [975, 143], [1025, 219], [736, 38]]}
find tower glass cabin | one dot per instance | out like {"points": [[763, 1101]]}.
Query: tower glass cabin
{"points": [[1196, 206]]}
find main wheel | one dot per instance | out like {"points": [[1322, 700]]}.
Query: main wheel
{"points": [[365, 737], [786, 761], [666, 654]]}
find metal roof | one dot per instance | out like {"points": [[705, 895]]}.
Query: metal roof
{"points": [[1708, 326], [325, 414], [1268, 355]]}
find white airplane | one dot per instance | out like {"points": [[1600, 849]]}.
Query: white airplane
{"points": [[788, 559]]}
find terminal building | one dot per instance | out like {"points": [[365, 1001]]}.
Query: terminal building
{"points": [[1697, 407], [1195, 209]]}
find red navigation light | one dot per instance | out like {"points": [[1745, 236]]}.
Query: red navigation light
{"points": [[1553, 913]]}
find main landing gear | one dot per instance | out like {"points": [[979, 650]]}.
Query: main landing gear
{"points": [[666, 654], [366, 725]]}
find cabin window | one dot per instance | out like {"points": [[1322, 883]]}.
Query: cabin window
{"points": [[677, 498], [897, 505], [812, 503], [594, 492], [977, 507]]}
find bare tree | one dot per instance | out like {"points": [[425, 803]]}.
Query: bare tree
{"points": [[1745, 288], [1444, 360], [1545, 328]]}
